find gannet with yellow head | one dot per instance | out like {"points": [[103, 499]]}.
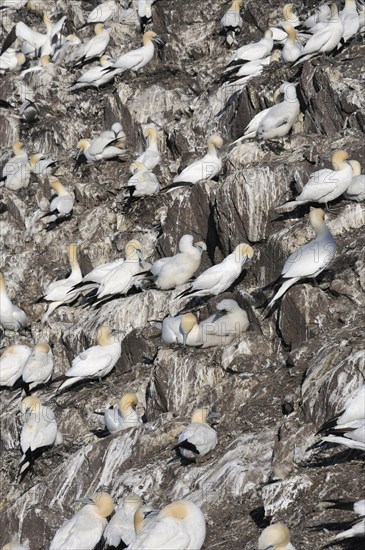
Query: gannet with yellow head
{"points": [[12, 363], [124, 415], [11, 316], [39, 366]]}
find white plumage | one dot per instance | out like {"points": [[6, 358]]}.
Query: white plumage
{"points": [[275, 537], [122, 416], [121, 526], [356, 189], [39, 366], [95, 47], [16, 172], [198, 438], [11, 316], [103, 12], [204, 169], [12, 363], [136, 59]]}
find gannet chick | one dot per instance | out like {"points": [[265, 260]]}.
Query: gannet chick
{"points": [[356, 189], [16, 172], [61, 205], [103, 12], [57, 292], [143, 183], [254, 51], [39, 431], [42, 166], [11, 316], [220, 277], [151, 157], [38, 367], [94, 48], [121, 526], [95, 362], [136, 59], [350, 20], [11, 60], [325, 185], [275, 537], [12, 363], [304, 263], [144, 12], [13, 545], [180, 524], [85, 529], [124, 415], [232, 22], [198, 438], [96, 76], [204, 169], [292, 49]]}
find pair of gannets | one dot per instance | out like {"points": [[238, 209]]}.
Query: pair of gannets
{"points": [[103, 12], [11, 60], [39, 431], [275, 537], [277, 121], [356, 527], [325, 185], [121, 526], [290, 18], [309, 260], [95, 362], [198, 438], [108, 145], [34, 367], [16, 172], [11, 316], [85, 529], [96, 76], [356, 189], [249, 69], [94, 48], [58, 292], [220, 277], [232, 22], [348, 427], [61, 204], [151, 157]]}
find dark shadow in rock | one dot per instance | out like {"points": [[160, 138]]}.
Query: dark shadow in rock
{"points": [[258, 516]]}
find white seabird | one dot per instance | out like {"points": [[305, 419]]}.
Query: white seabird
{"points": [[121, 526], [16, 172], [124, 415], [57, 292], [65, 54], [356, 189], [322, 14], [96, 76], [232, 22], [103, 12], [292, 49], [144, 12], [151, 157], [11, 316], [94, 48], [41, 165], [39, 366], [39, 431], [275, 537], [310, 259], [95, 277], [198, 438], [204, 169], [136, 59], [11, 60], [254, 51], [220, 277], [290, 18], [350, 20], [356, 527], [101, 148], [85, 529], [95, 362], [143, 183], [12, 363], [324, 185], [61, 205], [249, 69], [178, 526]]}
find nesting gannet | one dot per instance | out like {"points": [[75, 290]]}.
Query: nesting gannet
{"points": [[96, 76], [224, 326], [324, 40], [85, 529], [275, 537], [39, 366], [232, 22], [290, 18], [325, 185], [350, 20], [65, 53], [94, 278], [124, 415], [198, 438], [151, 157], [204, 169], [220, 277], [136, 59], [94, 48], [61, 204], [16, 172], [39, 431], [41, 165], [255, 50], [179, 525], [121, 526], [94, 362], [11, 60], [249, 69], [101, 148], [177, 270], [292, 49], [11, 316], [143, 183], [12, 363], [356, 189], [144, 12], [103, 12], [57, 292], [310, 259]]}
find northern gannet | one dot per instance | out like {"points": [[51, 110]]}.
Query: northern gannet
{"points": [[250, 69], [179, 525], [124, 415], [292, 49], [11, 60], [143, 183], [254, 51], [65, 54], [121, 526], [204, 169], [95, 277], [39, 431], [12, 363], [16, 172], [39, 366], [95, 362], [310, 259], [57, 292], [356, 189], [103, 12], [290, 18], [11, 316], [85, 529], [94, 48], [322, 14], [151, 157], [324, 185], [144, 12], [232, 22], [136, 59], [356, 527], [198, 438], [220, 277], [42, 166], [351, 437], [101, 148], [96, 76], [350, 20], [275, 537], [61, 204]]}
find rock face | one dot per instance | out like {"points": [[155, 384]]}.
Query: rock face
{"points": [[283, 378]]}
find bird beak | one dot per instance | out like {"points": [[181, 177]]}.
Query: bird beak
{"points": [[118, 331], [158, 40], [140, 255], [214, 415], [185, 336], [218, 315]]}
